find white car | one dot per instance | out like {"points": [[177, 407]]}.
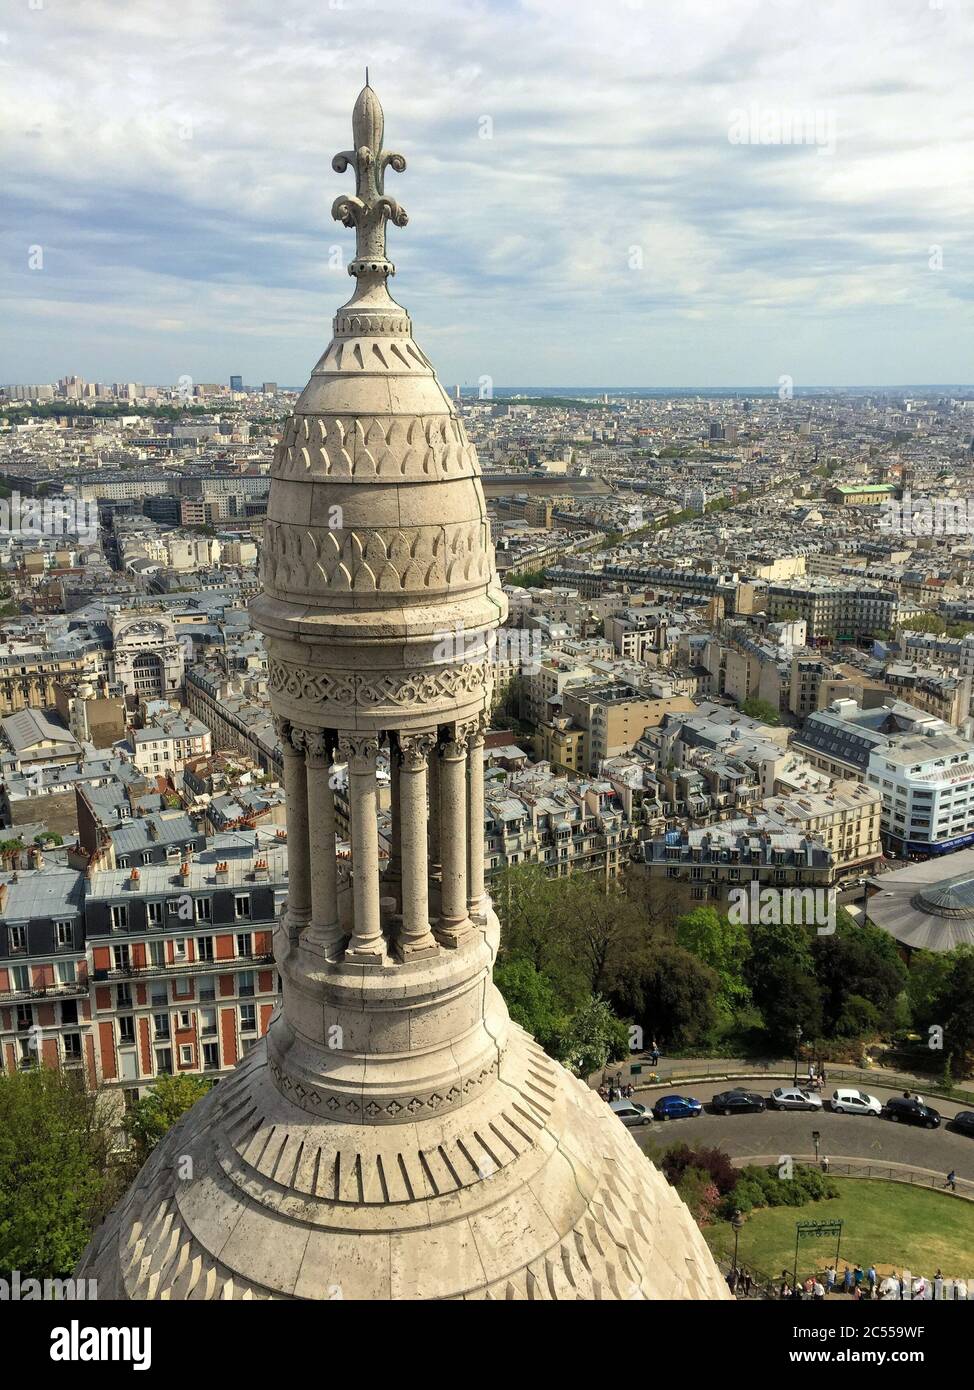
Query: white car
{"points": [[793, 1098], [630, 1113], [847, 1102]]}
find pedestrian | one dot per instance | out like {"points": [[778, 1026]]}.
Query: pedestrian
{"points": [[612, 1094], [655, 1052], [732, 1280], [858, 1275], [938, 1285], [829, 1278], [822, 1074], [872, 1276], [748, 1282], [847, 1280], [809, 1286], [825, 1163], [951, 1181], [603, 1092], [818, 1290], [920, 1100]]}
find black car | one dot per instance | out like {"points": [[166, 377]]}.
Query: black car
{"points": [[964, 1123], [910, 1112], [737, 1102]]}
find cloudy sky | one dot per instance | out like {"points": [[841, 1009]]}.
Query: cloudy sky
{"points": [[600, 192]]}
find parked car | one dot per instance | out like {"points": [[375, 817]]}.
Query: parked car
{"points": [[855, 1103], [963, 1122], [630, 1113], [793, 1098], [910, 1111], [737, 1102], [676, 1107]]}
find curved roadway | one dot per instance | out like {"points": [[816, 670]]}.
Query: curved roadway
{"points": [[866, 1137]]}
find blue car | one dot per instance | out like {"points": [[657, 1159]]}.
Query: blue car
{"points": [[677, 1107]]}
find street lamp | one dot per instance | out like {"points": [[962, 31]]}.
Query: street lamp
{"points": [[737, 1222], [816, 1137], [798, 1043]]}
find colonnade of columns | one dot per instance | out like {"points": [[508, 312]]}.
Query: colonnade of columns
{"points": [[436, 843]]}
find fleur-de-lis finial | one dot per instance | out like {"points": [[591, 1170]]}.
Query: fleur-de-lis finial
{"points": [[369, 208]]}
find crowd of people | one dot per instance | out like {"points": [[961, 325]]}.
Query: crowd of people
{"points": [[855, 1282]]}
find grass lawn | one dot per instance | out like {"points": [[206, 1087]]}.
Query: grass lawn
{"points": [[886, 1223]]}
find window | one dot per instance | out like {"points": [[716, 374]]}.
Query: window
{"points": [[248, 1018], [17, 938], [126, 1030], [154, 914], [120, 917], [160, 1025], [173, 906], [204, 948], [179, 949], [69, 1011], [157, 951], [64, 934], [241, 906], [185, 1055], [184, 1019], [211, 1057], [243, 943], [164, 1061], [20, 977], [204, 910], [72, 1047], [67, 972], [245, 983]]}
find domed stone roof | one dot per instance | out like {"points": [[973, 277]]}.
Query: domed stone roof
{"points": [[395, 1135]]}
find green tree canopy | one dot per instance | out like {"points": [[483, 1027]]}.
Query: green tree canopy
{"points": [[55, 1179], [673, 997], [721, 944], [155, 1114]]}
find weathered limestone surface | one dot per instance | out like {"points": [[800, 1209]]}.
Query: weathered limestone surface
{"points": [[395, 1136]]}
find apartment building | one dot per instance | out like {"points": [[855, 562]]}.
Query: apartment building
{"points": [[847, 819], [128, 974], [614, 716], [684, 869]]}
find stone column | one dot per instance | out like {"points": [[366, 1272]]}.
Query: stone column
{"points": [[415, 936], [434, 813], [475, 820], [392, 878], [454, 923], [325, 927], [296, 801], [367, 945]]}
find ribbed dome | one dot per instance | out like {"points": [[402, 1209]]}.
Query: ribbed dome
{"points": [[953, 898], [395, 1136]]}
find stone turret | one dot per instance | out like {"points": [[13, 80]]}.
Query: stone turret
{"points": [[395, 1136]]}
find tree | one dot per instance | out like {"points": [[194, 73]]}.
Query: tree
{"points": [[532, 1002], [781, 976], [152, 1118], [56, 1182], [925, 983], [760, 709], [536, 926], [608, 931], [955, 1006], [593, 1038], [858, 962], [721, 944], [673, 997]]}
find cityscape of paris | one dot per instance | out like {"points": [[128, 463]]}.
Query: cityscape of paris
{"points": [[487, 670]]}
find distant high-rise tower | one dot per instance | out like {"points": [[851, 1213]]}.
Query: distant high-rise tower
{"points": [[236, 383], [395, 1136]]}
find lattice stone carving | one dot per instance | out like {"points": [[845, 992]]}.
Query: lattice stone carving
{"points": [[354, 688]]}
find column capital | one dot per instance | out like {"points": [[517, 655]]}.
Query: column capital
{"points": [[285, 732], [359, 751], [319, 744], [415, 749]]}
